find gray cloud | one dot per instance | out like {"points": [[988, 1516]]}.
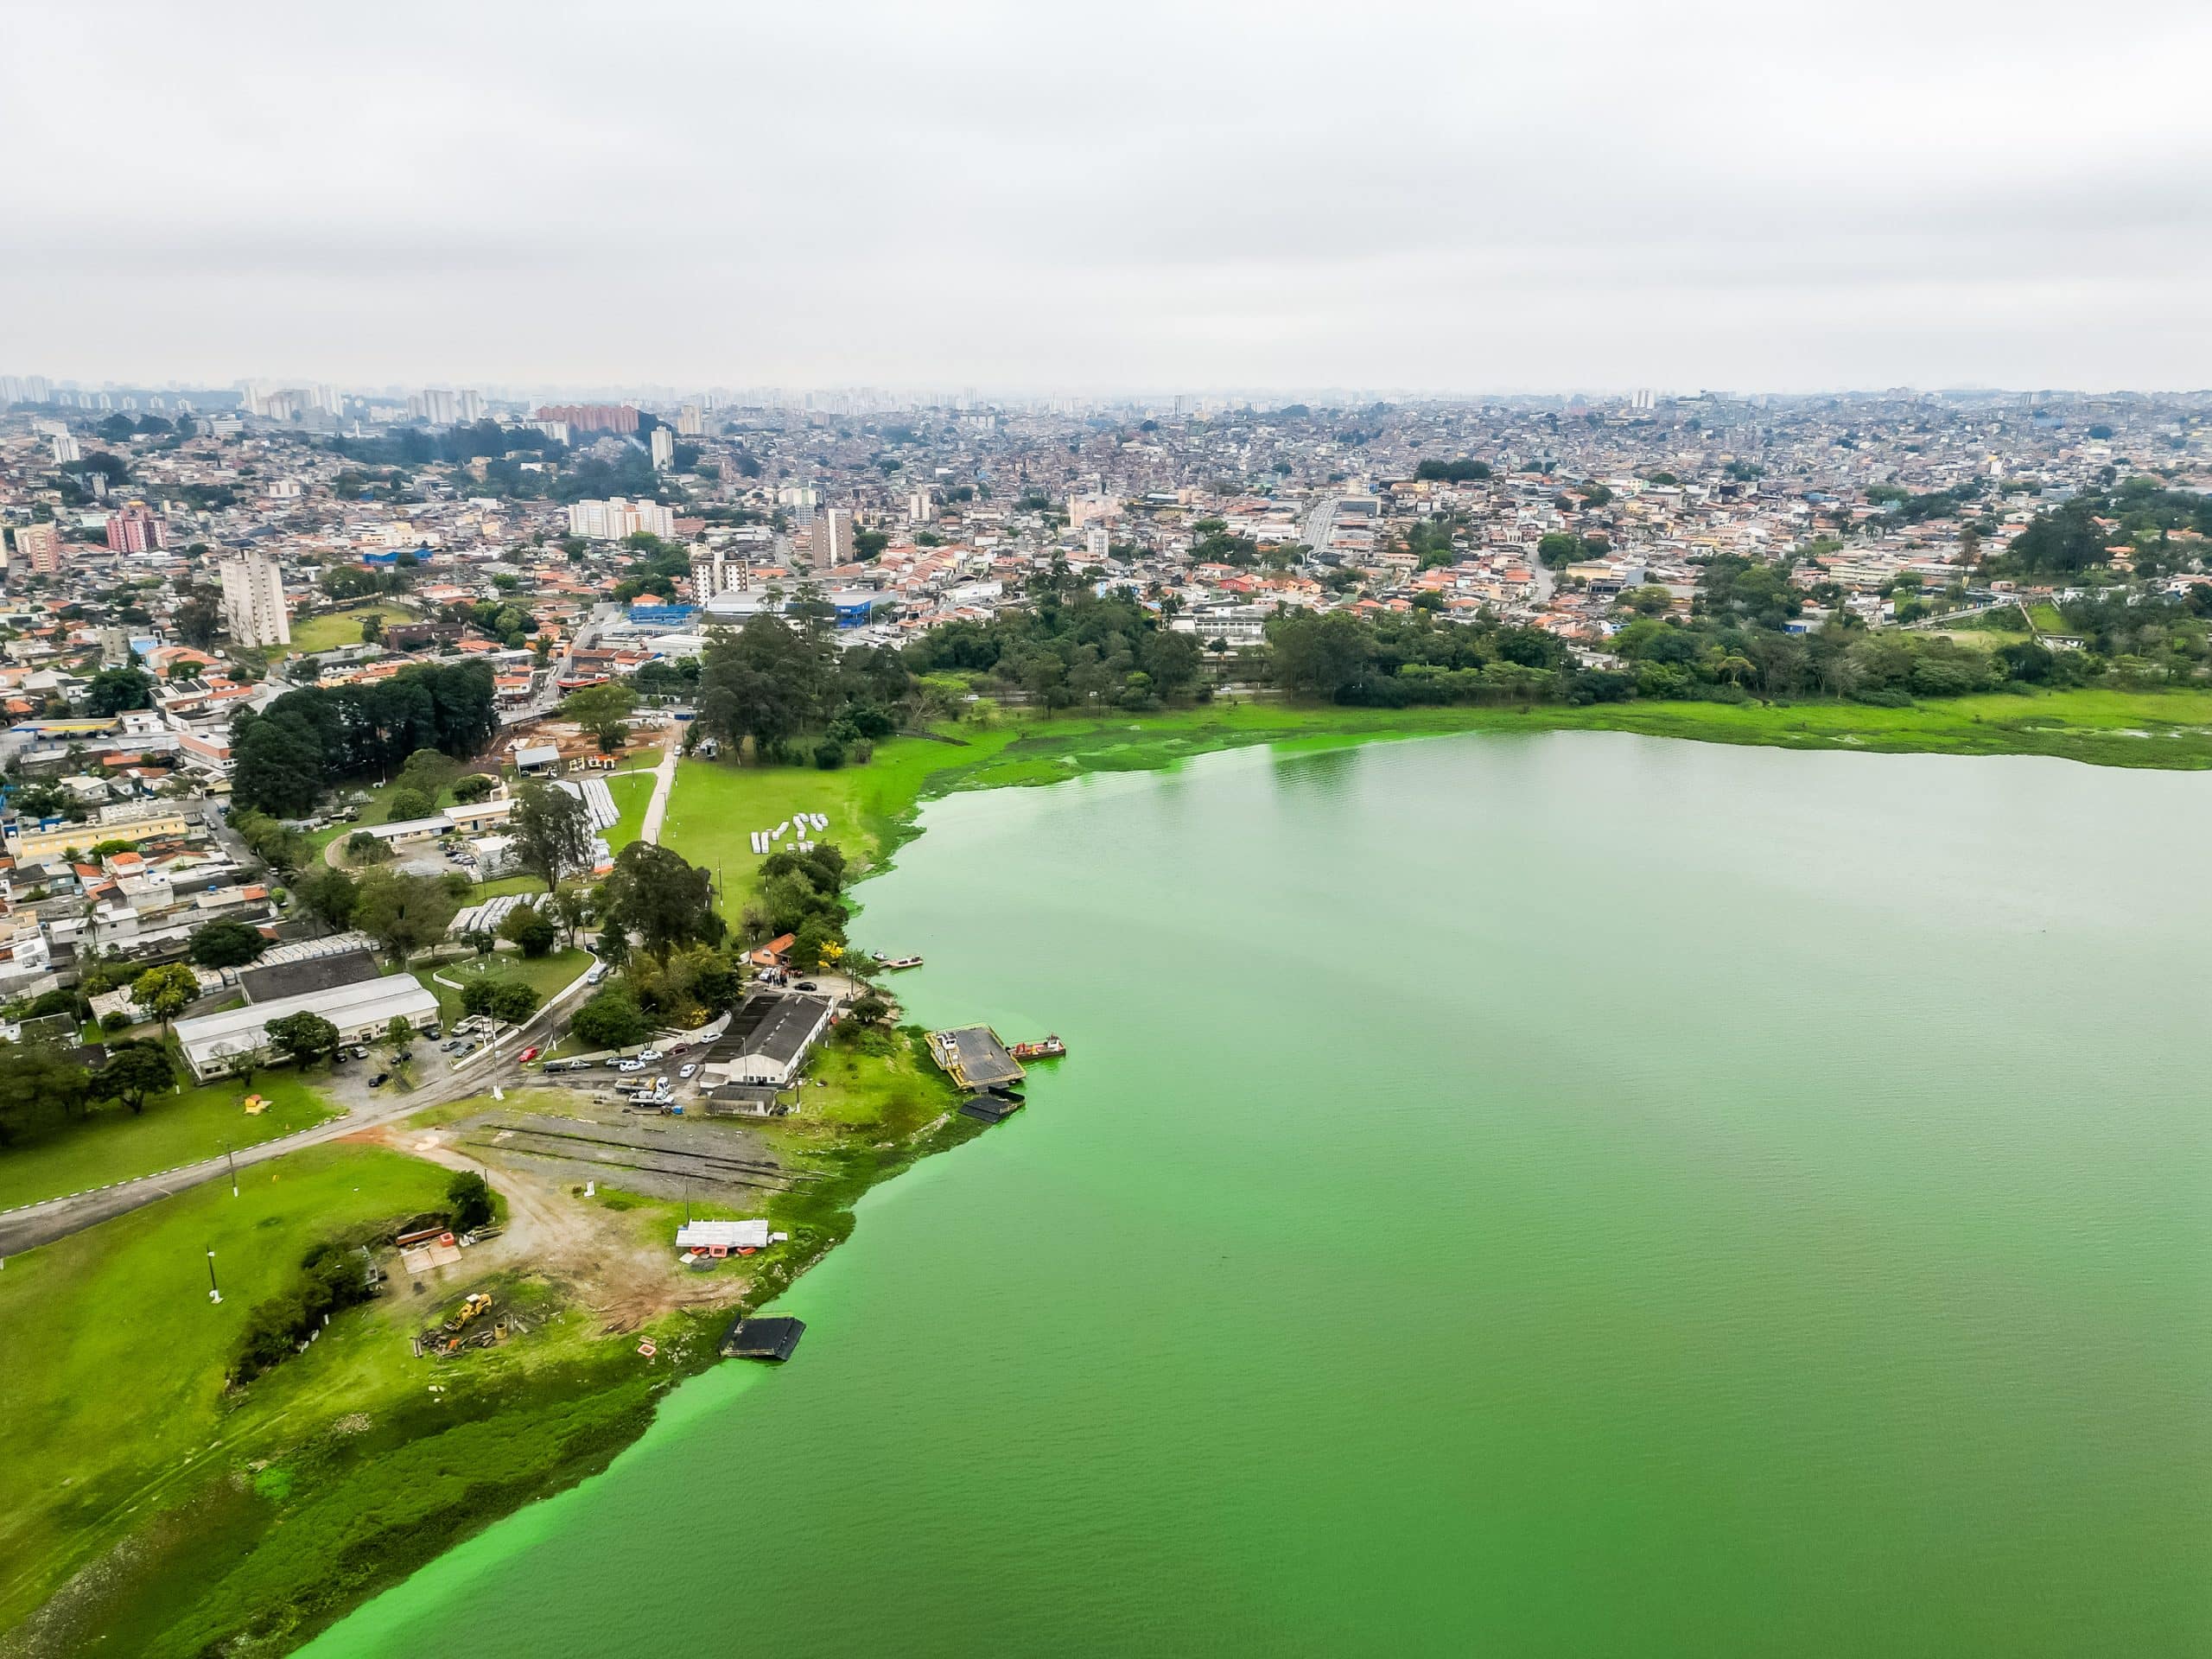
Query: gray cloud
{"points": [[1458, 197]]}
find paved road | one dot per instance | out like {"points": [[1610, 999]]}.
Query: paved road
{"points": [[27, 1229], [663, 784]]}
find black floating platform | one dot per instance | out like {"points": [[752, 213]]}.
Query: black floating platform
{"points": [[988, 1108], [763, 1339]]}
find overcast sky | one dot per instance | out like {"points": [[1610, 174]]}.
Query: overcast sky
{"points": [[1473, 196]]}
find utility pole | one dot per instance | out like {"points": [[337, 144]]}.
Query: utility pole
{"points": [[214, 1294], [233, 1160]]}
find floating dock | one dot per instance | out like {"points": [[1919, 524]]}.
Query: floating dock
{"points": [[988, 1108], [773, 1340], [893, 964], [974, 1057]]}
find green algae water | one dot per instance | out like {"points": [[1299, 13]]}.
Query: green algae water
{"points": [[1572, 1195]]}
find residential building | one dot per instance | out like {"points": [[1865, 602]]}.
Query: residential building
{"points": [[592, 417], [663, 447], [833, 536], [253, 600], [612, 520], [40, 547], [134, 530]]}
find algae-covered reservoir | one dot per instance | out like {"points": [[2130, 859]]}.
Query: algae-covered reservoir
{"points": [[1570, 1194]]}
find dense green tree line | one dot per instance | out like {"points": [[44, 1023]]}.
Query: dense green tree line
{"points": [[309, 739], [1071, 648]]}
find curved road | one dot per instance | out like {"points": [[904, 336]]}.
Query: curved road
{"points": [[41, 1223]]}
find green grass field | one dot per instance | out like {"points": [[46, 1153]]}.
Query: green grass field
{"points": [[273, 1507], [113, 1145], [2045, 616], [546, 975], [633, 793], [114, 1385], [335, 628]]}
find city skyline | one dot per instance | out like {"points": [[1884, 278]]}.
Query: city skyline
{"points": [[1473, 204]]}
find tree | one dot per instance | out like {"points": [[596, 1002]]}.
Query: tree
{"points": [[362, 847], [165, 992], [513, 1001], [225, 944], [815, 945], [604, 711], [474, 787], [373, 627], [611, 1019], [552, 832], [871, 1008], [531, 930], [303, 1036], [654, 894], [39, 1088], [407, 805], [279, 766], [398, 1034], [132, 1071], [115, 689], [572, 907], [329, 895], [404, 913], [468, 1202]]}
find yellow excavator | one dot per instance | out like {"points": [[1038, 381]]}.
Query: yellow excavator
{"points": [[477, 1304]]}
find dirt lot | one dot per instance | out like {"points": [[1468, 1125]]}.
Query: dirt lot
{"points": [[616, 1263]]}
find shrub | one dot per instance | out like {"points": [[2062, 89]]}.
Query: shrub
{"points": [[470, 1199]]}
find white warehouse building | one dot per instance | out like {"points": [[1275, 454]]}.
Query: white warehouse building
{"points": [[212, 1042]]}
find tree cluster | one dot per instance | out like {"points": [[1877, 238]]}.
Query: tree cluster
{"points": [[290, 753]]}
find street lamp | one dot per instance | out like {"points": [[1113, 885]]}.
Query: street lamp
{"points": [[233, 1158], [214, 1294]]}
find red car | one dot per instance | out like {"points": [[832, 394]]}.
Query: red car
{"points": [[526, 1056]]}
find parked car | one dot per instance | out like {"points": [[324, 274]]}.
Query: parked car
{"points": [[687, 1072], [630, 1065], [808, 985], [361, 1051], [649, 1055], [379, 1080], [433, 1033]]}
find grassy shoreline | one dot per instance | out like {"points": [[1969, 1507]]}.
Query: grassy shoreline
{"points": [[218, 1545]]}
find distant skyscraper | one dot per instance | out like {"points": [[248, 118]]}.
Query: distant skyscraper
{"points": [[65, 448], [593, 417], [253, 600], [468, 406], [664, 441], [40, 547], [690, 422]]}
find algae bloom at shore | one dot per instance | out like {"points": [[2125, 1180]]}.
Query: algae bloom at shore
{"points": [[1570, 1193]]}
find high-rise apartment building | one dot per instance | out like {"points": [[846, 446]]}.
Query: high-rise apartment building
{"points": [[833, 536], [40, 547], [253, 600], [664, 442], [65, 448], [612, 520], [134, 530], [690, 423], [593, 417], [715, 570], [468, 405]]}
